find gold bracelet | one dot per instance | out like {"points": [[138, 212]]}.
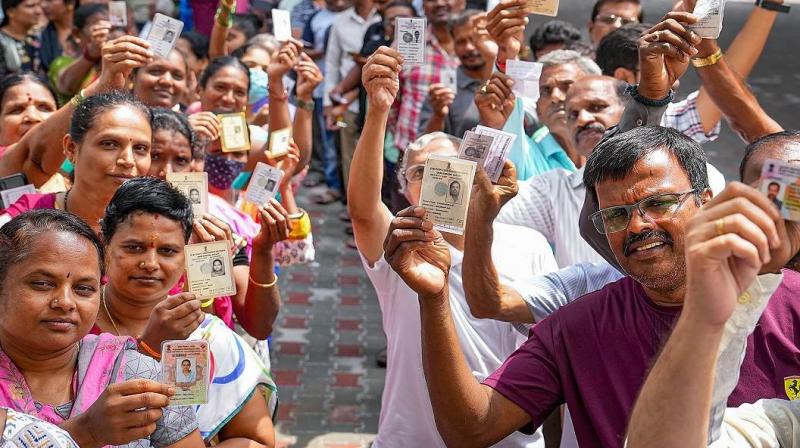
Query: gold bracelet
{"points": [[147, 349], [707, 61], [265, 285]]}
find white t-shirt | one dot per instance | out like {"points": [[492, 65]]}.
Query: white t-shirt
{"points": [[406, 415]]}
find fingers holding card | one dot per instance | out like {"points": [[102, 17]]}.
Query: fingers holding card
{"points": [[185, 366], [446, 188], [264, 184]]}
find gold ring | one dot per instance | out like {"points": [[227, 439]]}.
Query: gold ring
{"points": [[484, 89], [720, 223]]}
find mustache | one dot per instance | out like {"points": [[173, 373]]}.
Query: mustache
{"points": [[632, 239], [590, 127]]}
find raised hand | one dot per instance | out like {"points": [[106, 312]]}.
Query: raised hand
{"points": [[664, 53], [727, 244], [288, 163], [120, 57], [487, 199], [486, 45], [174, 318], [206, 125], [99, 37], [209, 228], [275, 225], [381, 77], [506, 25], [124, 412], [441, 98], [417, 253], [285, 60], [308, 77], [495, 101]]}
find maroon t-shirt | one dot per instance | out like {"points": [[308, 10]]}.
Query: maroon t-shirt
{"points": [[594, 354]]}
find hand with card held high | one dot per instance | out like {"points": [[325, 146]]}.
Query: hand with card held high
{"points": [[417, 252], [120, 57], [124, 412], [174, 318], [206, 125], [664, 53], [381, 78], [309, 76], [495, 101], [506, 24], [441, 98], [285, 61], [487, 198], [99, 33]]}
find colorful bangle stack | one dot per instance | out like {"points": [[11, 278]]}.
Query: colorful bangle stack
{"points": [[301, 225], [148, 350]]}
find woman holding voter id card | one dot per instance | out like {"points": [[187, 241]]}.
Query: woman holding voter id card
{"points": [[146, 226], [98, 388]]}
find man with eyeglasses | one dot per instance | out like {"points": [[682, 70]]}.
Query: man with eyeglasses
{"points": [[609, 15], [406, 418], [594, 353]]}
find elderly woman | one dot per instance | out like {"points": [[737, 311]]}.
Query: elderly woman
{"points": [[98, 388], [145, 227]]}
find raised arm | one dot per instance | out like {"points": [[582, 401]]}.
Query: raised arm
{"points": [[219, 33], [467, 413], [69, 81], [726, 245], [487, 298], [741, 57], [369, 215], [308, 78], [39, 153]]}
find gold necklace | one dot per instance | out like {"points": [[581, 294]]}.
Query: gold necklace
{"points": [[105, 307]]}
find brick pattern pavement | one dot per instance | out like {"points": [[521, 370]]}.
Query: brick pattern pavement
{"points": [[328, 333]]}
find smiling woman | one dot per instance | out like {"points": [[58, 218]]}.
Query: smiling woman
{"points": [[109, 142], [163, 82], [51, 264]]}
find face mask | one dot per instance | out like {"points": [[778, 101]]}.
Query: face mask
{"points": [[221, 171], [259, 82]]}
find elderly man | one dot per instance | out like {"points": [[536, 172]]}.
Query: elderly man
{"points": [[406, 415], [593, 353], [727, 246]]}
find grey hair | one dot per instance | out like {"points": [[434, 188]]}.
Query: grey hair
{"points": [[561, 57], [418, 145], [266, 41]]}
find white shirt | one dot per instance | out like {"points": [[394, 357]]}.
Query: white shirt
{"points": [[551, 203], [346, 36], [406, 418]]}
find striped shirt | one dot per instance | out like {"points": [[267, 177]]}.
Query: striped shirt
{"points": [[551, 203]]}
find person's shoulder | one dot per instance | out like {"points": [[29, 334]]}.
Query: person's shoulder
{"points": [[612, 299]]}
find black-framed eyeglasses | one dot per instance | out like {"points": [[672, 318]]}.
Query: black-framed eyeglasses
{"points": [[659, 206], [613, 19]]}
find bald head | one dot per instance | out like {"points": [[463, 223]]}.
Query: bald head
{"points": [[594, 104]]}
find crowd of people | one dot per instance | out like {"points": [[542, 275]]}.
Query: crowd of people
{"points": [[611, 288]]}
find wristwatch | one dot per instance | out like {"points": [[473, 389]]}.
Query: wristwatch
{"points": [[772, 6], [307, 105]]}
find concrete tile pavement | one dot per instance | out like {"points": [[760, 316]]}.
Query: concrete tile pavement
{"points": [[328, 333]]}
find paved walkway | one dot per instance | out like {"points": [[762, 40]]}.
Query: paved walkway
{"points": [[328, 333]]}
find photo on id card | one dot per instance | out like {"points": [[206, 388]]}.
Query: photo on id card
{"points": [[780, 181], [118, 14], [164, 32], [475, 147], [235, 135], [195, 187], [263, 184], [185, 366], [209, 270], [446, 188], [279, 143]]}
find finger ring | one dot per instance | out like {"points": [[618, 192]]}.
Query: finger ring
{"points": [[720, 223], [484, 89]]}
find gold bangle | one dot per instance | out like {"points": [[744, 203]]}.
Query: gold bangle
{"points": [[147, 349], [265, 285], [707, 61]]}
